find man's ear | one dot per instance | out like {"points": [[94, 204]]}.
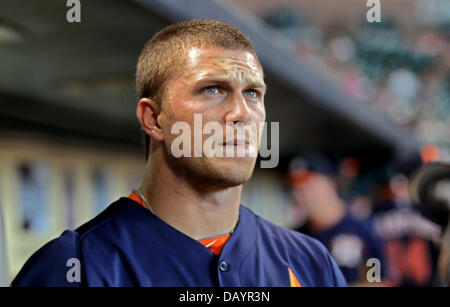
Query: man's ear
{"points": [[147, 113]]}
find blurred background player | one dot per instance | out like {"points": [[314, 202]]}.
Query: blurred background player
{"points": [[326, 217], [411, 238]]}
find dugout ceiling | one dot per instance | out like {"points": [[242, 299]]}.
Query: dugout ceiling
{"points": [[76, 80]]}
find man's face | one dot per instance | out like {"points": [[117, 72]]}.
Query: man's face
{"points": [[224, 86], [315, 193]]}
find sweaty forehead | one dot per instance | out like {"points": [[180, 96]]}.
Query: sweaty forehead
{"points": [[219, 62]]}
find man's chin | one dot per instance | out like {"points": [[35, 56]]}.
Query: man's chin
{"points": [[233, 171], [228, 181], [223, 172], [220, 172]]}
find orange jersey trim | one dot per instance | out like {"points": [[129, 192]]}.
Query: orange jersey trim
{"points": [[213, 244], [216, 244], [293, 279], [134, 196]]}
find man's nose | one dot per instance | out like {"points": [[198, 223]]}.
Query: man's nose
{"points": [[237, 110]]}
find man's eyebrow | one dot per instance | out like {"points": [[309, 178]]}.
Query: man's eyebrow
{"points": [[258, 84], [216, 79]]}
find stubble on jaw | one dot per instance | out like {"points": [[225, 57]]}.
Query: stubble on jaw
{"points": [[209, 171]]}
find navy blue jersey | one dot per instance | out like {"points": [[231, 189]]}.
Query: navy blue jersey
{"points": [[126, 245], [411, 243], [351, 242]]}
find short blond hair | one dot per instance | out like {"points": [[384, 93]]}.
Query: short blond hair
{"points": [[163, 56]]}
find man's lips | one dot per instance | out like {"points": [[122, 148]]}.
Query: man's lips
{"points": [[237, 148], [235, 143]]}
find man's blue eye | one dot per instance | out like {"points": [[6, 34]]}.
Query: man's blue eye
{"points": [[252, 93], [212, 90]]}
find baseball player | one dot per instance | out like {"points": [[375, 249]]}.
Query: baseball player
{"points": [[184, 225], [351, 242]]}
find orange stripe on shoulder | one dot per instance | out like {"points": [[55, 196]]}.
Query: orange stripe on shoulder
{"points": [[293, 279], [134, 196]]}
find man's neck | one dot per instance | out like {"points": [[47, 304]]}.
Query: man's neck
{"points": [[198, 214]]}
